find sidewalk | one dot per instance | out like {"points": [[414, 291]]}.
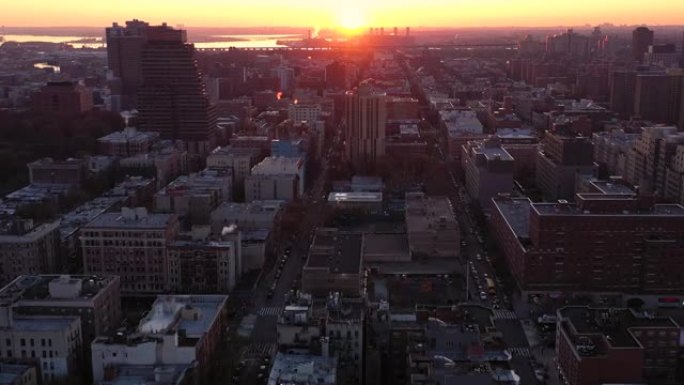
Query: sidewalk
{"points": [[542, 354]]}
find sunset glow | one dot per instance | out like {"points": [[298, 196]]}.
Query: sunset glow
{"points": [[350, 14]]}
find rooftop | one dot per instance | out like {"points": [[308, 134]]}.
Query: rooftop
{"points": [[571, 209], [607, 187], [192, 313], [43, 323], [385, 243], [128, 135], [355, 197], [137, 218], [10, 373], [429, 213], [278, 165], [340, 252], [516, 212], [54, 289], [303, 369], [613, 324], [73, 220], [148, 375]]}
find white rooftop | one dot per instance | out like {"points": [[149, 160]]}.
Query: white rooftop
{"points": [[295, 369]]}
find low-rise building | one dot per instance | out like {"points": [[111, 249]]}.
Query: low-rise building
{"points": [[64, 98], [202, 265], [193, 197], [597, 346], [178, 330], [47, 171], [17, 374], [96, 300], [240, 160], [148, 375], [431, 226], [358, 202], [489, 170], [29, 249], [305, 368], [133, 245], [164, 163], [253, 215], [276, 178], [54, 343], [334, 263], [127, 142]]}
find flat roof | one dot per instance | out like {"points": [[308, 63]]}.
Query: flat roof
{"points": [[26, 289], [338, 251], [492, 152], [571, 209], [613, 323], [10, 373], [146, 375], [608, 187], [193, 313], [43, 323], [301, 368], [385, 243], [117, 220], [355, 197], [516, 212]]}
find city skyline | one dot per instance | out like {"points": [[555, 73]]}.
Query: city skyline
{"points": [[352, 16]]}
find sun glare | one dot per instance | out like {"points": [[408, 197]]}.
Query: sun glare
{"points": [[351, 20]]}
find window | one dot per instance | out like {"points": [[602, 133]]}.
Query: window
{"points": [[22, 342]]}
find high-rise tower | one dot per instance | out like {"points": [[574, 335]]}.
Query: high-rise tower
{"points": [[366, 116]]}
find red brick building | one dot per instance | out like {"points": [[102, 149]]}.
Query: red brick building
{"points": [[65, 98], [605, 345], [602, 242]]}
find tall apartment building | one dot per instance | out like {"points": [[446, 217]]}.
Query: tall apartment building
{"points": [[28, 249], [650, 156], [603, 242], [622, 86], [642, 38], [133, 245], [431, 226], [304, 112], [275, 178], [96, 300], [488, 170], [155, 71], [561, 158], [178, 330], [124, 58], [658, 96], [568, 43], [674, 176], [64, 98], [611, 149], [597, 346], [365, 117]]}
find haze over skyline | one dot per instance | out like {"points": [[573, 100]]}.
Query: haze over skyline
{"points": [[351, 14]]}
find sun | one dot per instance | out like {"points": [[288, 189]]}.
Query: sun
{"points": [[351, 20]]}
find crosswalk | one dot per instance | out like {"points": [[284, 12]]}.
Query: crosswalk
{"points": [[520, 352], [504, 314], [259, 350], [271, 310]]}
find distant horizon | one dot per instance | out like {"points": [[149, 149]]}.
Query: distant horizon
{"points": [[351, 16]]}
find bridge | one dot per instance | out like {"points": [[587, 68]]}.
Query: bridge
{"points": [[358, 47]]}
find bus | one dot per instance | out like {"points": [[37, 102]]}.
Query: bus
{"points": [[491, 288]]}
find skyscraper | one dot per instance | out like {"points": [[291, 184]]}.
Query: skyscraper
{"points": [[172, 99], [366, 116], [124, 51], [642, 38], [153, 69]]}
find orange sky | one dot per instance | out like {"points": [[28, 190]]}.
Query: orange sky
{"points": [[333, 13]]}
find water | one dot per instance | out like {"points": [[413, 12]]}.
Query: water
{"points": [[218, 41]]}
